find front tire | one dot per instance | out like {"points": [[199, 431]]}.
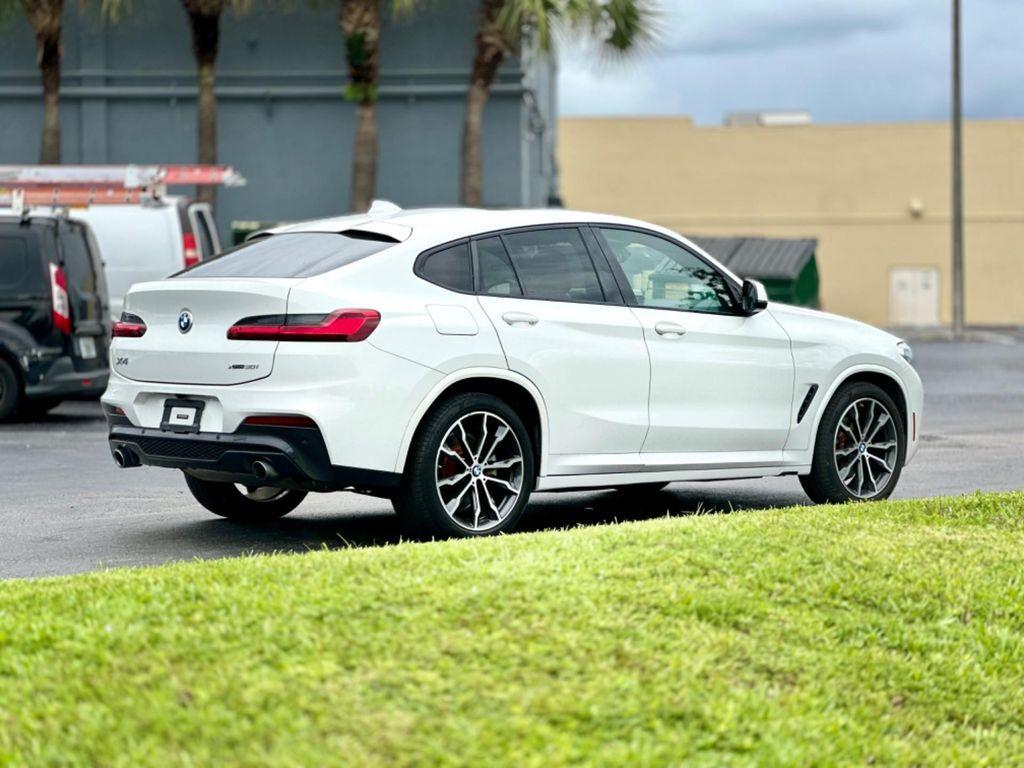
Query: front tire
{"points": [[255, 506], [470, 470], [859, 449]]}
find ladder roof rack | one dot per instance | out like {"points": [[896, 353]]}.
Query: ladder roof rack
{"points": [[24, 186]]}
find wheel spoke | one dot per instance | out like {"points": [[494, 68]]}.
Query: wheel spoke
{"points": [[449, 452], [490, 501], [883, 446], [476, 505], [500, 435], [871, 475], [880, 461], [504, 463], [465, 440], [503, 483], [478, 456], [850, 432], [453, 506], [846, 451], [882, 421], [452, 480]]}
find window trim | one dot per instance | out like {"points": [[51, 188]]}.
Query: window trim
{"points": [[421, 260], [627, 289]]}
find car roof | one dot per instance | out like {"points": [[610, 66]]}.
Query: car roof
{"points": [[428, 227], [440, 225]]}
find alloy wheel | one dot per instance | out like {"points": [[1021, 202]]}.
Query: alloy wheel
{"points": [[866, 447], [479, 471]]}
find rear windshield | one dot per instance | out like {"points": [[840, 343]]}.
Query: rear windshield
{"points": [[302, 254]]}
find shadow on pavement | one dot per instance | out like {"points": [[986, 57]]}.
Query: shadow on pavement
{"points": [[301, 533]]}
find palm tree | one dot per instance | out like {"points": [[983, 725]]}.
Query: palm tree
{"points": [[46, 20], [360, 27], [204, 24], [620, 25]]}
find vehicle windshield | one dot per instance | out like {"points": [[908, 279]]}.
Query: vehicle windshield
{"points": [[302, 254]]}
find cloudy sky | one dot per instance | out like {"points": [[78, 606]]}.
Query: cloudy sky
{"points": [[844, 60]]}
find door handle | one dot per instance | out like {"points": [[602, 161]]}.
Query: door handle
{"points": [[669, 329], [519, 318]]}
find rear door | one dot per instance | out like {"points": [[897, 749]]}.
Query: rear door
{"points": [[570, 334], [87, 294]]}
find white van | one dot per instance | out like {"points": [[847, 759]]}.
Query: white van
{"points": [[149, 241]]}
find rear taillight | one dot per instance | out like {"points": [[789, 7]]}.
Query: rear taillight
{"points": [[59, 299], [129, 327], [192, 256], [339, 325]]}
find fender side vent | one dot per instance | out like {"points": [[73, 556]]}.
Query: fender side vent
{"points": [[806, 403]]}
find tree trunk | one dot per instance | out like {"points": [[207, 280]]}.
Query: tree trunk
{"points": [[360, 26], [49, 68], [364, 157], [493, 44], [45, 17], [205, 29]]}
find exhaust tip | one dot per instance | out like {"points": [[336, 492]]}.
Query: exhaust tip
{"points": [[263, 470], [125, 458]]}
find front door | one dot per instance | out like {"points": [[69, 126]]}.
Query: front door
{"points": [[721, 382], [562, 328]]}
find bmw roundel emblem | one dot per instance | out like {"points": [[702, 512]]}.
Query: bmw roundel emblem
{"points": [[185, 321]]}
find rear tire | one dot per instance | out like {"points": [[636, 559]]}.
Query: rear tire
{"points": [[227, 500], [470, 470], [859, 448], [11, 397]]}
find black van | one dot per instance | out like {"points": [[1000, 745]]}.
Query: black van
{"points": [[54, 315]]}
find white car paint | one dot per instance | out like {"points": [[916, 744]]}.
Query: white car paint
{"points": [[707, 397]]}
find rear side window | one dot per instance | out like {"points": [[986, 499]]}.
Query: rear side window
{"points": [[554, 264], [17, 273], [302, 254], [497, 278], [449, 268]]}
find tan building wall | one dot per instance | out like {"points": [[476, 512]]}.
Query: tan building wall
{"points": [[851, 186]]}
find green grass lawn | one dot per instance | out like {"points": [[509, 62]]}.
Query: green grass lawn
{"points": [[885, 633]]}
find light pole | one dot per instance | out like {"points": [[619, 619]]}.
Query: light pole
{"points": [[958, 191]]}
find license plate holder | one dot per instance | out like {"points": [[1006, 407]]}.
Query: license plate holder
{"points": [[182, 415], [86, 347]]}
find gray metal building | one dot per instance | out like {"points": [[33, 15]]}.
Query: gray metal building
{"points": [[128, 95]]}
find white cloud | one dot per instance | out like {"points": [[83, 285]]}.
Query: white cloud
{"points": [[844, 60]]}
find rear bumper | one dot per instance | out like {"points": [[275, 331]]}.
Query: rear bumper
{"points": [[297, 456], [62, 380]]}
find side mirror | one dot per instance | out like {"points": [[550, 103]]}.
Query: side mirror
{"points": [[754, 297]]}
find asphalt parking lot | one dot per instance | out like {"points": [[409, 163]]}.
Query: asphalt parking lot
{"points": [[66, 508]]}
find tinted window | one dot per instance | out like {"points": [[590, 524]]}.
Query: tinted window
{"points": [[449, 268], [554, 264], [78, 268], [496, 274], [302, 254], [203, 235], [663, 274], [14, 263]]}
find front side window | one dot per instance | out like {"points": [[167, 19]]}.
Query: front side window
{"points": [[553, 264], [449, 268], [665, 275], [301, 254]]}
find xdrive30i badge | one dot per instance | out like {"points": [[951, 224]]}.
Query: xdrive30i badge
{"points": [[185, 321]]}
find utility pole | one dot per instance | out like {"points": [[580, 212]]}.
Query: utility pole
{"points": [[958, 188]]}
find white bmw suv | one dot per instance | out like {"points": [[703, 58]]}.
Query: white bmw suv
{"points": [[457, 360]]}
